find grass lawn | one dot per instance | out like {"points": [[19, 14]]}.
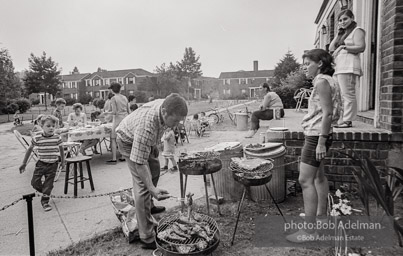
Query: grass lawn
{"points": [[115, 243]]}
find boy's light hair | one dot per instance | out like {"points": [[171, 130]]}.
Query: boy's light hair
{"points": [[45, 118], [60, 101]]}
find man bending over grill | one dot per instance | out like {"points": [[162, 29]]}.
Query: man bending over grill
{"points": [[137, 137]]}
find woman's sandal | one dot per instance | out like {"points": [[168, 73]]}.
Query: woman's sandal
{"points": [[344, 125]]}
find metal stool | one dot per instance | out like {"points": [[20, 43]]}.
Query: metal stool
{"points": [[78, 161]]}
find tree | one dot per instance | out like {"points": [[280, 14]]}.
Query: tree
{"points": [[43, 76], [101, 70], [10, 84], [286, 65], [75, 71], [189, 66]]}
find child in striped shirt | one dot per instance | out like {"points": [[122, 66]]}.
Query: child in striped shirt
{"points": [[49, 149]]}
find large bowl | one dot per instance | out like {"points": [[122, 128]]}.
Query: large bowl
{"points": [[200, 167]]}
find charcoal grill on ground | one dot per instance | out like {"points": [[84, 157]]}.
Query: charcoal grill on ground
{"points": [[200, 163], [169, 247], [256, 177]]}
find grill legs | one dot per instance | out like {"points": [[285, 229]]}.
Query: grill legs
{"points": [[183, 192], [239, 214], [274, 201]]}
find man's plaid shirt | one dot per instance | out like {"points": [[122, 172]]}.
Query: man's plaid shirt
{"points": [[143, 128]]}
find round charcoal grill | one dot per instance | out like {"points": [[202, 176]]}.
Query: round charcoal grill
{"points": [[168, 246], [252, 178]]}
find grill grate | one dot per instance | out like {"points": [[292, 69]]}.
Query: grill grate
{"points": [[167, 222], [262, 172]]}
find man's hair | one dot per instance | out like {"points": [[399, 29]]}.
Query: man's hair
{"points": [[45, 118], [174, 104], [60, 101], [115, 87], [131, 97], [78, 105]]}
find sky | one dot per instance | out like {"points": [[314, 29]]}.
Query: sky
{"points": [[124, 34]]}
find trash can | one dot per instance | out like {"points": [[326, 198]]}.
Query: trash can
{"points": [[225, 184], [277, 185], [242, 121]]}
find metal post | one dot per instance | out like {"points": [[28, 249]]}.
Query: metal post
{"points": [[28, 198]]}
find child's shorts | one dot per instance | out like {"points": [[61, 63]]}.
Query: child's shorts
{"points": [[308, 155]]}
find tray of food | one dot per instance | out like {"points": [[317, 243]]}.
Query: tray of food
{"points": [[262, 148], [199, 163]]}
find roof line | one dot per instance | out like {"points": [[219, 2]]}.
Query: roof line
{"points": [[321, 10]]}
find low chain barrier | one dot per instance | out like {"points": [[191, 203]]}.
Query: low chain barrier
{"points": [[13, 203]]}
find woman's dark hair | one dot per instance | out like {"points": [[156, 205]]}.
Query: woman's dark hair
{"points": [[110, 95], [266, 86], [347, 12], [196, 116], [317, 55], [115, 87], [133, 107], [131, 97]]}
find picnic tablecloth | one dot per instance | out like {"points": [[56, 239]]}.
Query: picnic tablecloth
{"points": [[87, 133]]}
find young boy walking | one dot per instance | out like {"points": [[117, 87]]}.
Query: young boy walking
{"points": [[169, 149], [49, 149]]}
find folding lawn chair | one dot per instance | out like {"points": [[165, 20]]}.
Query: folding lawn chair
{"points": [[26, 145]]}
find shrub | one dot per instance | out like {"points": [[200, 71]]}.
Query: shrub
{"points": [[85, 99], [70, 101], [286, 94], [99, 103], [141, 97], [53, 103], [23, 105], [35, 101], [10, 109]]}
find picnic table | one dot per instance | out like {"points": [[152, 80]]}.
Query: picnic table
{"points": [[88, 132]]}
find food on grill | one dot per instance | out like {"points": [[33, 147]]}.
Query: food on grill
{"points": [[199, 163], [251, 168], [185, 248], [179, 231], [250, 164], [171, 234], [201, 245]]}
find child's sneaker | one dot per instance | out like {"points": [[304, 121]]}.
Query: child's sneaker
{"points": [[46, 207], [165, 168]]}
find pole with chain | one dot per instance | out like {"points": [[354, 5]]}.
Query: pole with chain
{"points": [[28, 198]]}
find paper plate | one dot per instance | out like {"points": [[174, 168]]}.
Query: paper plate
{"points": [[279, 129]]}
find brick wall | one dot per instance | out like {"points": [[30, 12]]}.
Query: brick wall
{"points": [[338, 168], [391, 93]]}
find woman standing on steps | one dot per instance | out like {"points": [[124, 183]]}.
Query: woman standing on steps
{"points": [[346, 47], [323, 113]]}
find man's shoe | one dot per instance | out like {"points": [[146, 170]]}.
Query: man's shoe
{"points": [[148, 246], [157, 209]]}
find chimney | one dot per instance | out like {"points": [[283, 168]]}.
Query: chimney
{"points": [[255, 65]]}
